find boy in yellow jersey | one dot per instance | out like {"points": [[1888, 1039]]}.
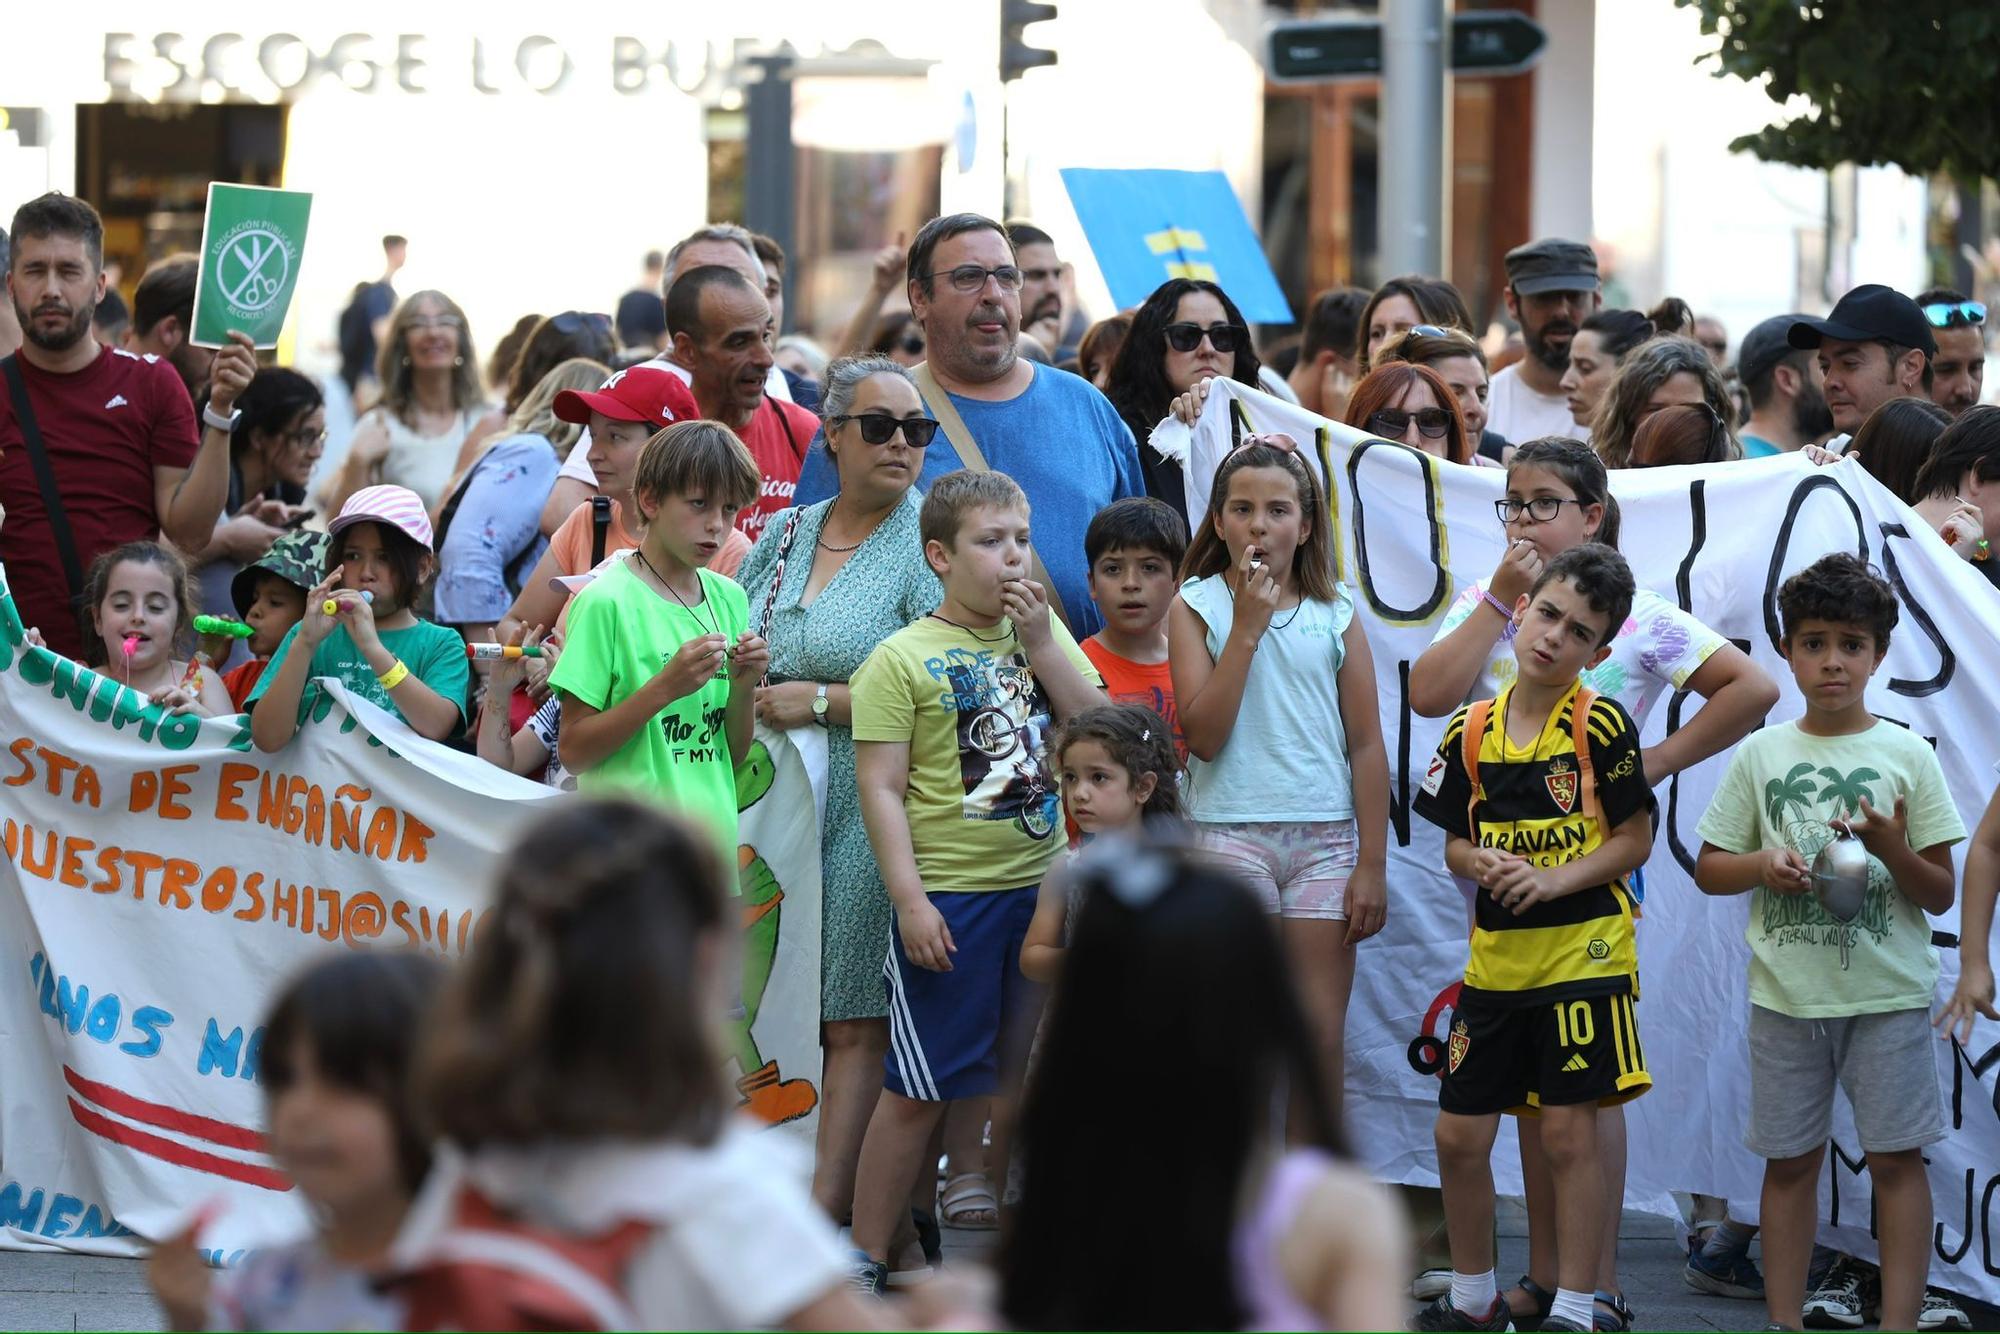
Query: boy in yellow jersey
{"points": [[1545, 808]]}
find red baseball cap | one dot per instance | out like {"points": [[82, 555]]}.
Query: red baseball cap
{"points": [[639, 394]]}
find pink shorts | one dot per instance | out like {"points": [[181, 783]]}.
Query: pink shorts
{"points": [[1298, 869]]}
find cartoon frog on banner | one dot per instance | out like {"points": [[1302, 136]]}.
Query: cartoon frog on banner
{"points": [[769, 1097]]}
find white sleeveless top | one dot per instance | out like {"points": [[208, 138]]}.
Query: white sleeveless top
{"points": [[424, 462]]}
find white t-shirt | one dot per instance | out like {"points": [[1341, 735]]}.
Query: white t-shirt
{"points": [[577, 465], [1659, 646], [1522, 414], [740, 1243]]}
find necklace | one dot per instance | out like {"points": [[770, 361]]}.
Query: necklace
{"points": [[825, 545], [713, 623], [974, 633], [1274, 625]]}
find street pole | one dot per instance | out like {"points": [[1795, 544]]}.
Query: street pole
{"points": [[768, 196], [1411, 210]]}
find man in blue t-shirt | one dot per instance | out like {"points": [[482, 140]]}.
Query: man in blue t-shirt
{"points": [[1050, 431]]}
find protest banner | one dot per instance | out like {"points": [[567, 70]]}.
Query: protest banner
{"points": [[162, 878], [251, 242], [1410, 532]]}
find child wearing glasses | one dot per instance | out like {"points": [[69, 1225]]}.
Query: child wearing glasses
{"points": [[1558, 497]]}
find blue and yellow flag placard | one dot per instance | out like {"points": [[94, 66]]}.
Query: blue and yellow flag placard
{"points": [[1145, 227]]}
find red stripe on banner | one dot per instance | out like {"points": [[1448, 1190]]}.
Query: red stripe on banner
{"points": [[178, 1154], [166, 1118]]}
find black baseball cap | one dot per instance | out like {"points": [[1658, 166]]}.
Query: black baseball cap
{"points": [[1869, 313], [1767, 344], [1551, 265]]}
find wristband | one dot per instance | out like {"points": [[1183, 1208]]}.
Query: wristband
{"points": [[395, 676], [1505, 613], [221, 423]]}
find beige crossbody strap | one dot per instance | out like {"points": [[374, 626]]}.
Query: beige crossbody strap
{"points": [[961, 439]]}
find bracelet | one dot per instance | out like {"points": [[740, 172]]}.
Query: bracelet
{"points": [[1506, 614], [395, 676]]}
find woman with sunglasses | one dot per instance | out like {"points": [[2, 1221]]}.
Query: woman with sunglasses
{"points": [[1412, 405], [1461, 363], [431, 400], [830, 582], [1186, 333]]}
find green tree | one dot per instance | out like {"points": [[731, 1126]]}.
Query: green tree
{"points": [[1909, 83], [1795, 790], [1846, 791]]}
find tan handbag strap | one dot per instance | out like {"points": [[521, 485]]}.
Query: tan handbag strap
{"points": [[969, 454]]}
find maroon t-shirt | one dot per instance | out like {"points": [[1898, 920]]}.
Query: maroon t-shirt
{"points": [[106, 427]]}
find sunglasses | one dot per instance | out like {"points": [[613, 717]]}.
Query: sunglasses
{"points": [[1393, 423], [878, 427], [1187, 336], [912, 344], [1955, 314]]}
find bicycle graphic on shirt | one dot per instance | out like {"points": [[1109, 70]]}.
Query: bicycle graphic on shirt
{"points": [[1002, 720]]}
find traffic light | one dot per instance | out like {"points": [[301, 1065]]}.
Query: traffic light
{"points": [[1016, 56]]}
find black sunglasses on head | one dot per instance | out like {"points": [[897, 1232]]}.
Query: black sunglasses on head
{"points": [[1186, 336], [878, 427]]}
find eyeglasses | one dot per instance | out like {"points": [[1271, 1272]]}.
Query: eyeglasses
{"points": [[576, 321], [878, 427], [1393, 423], [305, 439], [1955, 314], [970, 278], [418, 323], [1541, 509], [1186, 337], [913, 344]]}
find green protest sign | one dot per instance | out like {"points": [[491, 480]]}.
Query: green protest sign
{"points": [[250, 247]]}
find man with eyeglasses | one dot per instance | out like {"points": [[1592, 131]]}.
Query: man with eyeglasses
{"points": [[1958, 371], [1042, 312], [1552, 287], [1873, 346], [1051, 431]]}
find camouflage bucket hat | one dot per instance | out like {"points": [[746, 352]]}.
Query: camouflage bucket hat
{"points": [[298, 557]]}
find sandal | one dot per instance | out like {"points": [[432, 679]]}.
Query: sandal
{"points": [[968, 1202], [1544, 1301], [1620, 1317]]}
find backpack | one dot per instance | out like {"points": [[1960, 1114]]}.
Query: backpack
{"points": [[1579, 732], [487, 1269]]}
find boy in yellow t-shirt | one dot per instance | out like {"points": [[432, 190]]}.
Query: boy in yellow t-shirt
{"points": [[951, 717]]}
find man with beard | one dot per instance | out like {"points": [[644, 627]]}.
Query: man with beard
{"points": [[1959, 369], [1874, 345], [1041, 287], [1049, 430], [720, 324], [163, 321], [117, 429], [1552, 288], [1787, 410]]}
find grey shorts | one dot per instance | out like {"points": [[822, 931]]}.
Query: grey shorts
{"points": [[1884, 1062]]}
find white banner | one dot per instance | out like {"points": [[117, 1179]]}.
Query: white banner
{"points": [[1718, 540], [162, 878]]}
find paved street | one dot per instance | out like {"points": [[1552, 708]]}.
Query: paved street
{"points": [[53, 1291]]}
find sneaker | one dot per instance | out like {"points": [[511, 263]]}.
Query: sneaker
{"points": [[1431, 1284], [1731, 1274], [1942, 1311], [1848, 1298], [1441, 1314], [869, 1276]]}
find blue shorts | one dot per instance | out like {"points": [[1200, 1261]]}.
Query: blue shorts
{"points": [[945, 1029]]}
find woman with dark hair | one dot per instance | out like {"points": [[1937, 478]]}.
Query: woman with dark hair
{"points": [[1659, 373], [431, 400], [1099, 348], [1186, 332], [1404, 303], [1413, 406], [1896, 441], [1684, 433], [898, 337], [1169, 957], [1599, 345], [272, 450], [1959, 488]]}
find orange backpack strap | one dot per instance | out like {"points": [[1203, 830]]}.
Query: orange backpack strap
{"points": [[1469, 740], [1579, 733]]}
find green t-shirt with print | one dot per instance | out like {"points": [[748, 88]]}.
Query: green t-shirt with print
{"points": [[1782, 789], [434, 655], [983, 808], [621, 632]]}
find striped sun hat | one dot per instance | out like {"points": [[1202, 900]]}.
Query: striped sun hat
{"points": [[397, 506]]}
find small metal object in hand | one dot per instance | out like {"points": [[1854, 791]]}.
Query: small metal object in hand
{"points": [[1840, 880]]}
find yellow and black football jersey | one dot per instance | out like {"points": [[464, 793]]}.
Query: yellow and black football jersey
{"points": [[1530, 801]]}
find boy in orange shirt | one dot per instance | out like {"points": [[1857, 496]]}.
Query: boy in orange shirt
{"points": [[1134, 547]]}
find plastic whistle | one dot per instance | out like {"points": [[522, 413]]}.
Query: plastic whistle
{"points": [[131, 645], [222, 625], [332, 605], [489, 652]]}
